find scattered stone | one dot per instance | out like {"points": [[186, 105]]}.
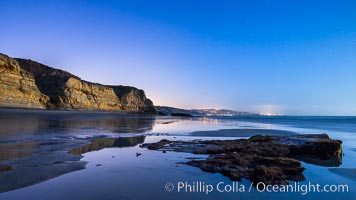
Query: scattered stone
{"points": [[58, 162], [4, 168], [157, 145]]}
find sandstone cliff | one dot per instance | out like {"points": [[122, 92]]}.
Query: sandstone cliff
{"points": [[29, 84], [18, 87]]}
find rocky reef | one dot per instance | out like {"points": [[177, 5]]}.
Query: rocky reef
{"points": [[267, 159], [29, 84]]}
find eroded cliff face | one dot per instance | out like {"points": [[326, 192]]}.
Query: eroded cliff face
{"points": [[18, 87], [83, 95], [133, 98], [29, 84]]}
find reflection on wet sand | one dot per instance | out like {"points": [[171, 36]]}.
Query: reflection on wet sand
{"points": [[102, 143], [113, 125], [50, 161], [16, 150], [11, 125], [69, 122], [39, 141]]}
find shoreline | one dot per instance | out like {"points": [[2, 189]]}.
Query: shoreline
{"points": [[50, 153], [66, 155], [33, 110]]}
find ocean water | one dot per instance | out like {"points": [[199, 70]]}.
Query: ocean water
{"points": [[338, 127], [113, 171]]}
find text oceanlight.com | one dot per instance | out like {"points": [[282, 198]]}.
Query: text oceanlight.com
{"points": [[222, 187]]}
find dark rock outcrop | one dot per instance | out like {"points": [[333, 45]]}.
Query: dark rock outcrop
{"points": [[29, 84], [4, 168], [268, 159], [158, 145]]}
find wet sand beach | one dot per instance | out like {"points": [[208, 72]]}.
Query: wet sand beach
{"points": [[99, 155]]}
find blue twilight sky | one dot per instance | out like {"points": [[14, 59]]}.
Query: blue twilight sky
{"points": [[292, 57]]}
